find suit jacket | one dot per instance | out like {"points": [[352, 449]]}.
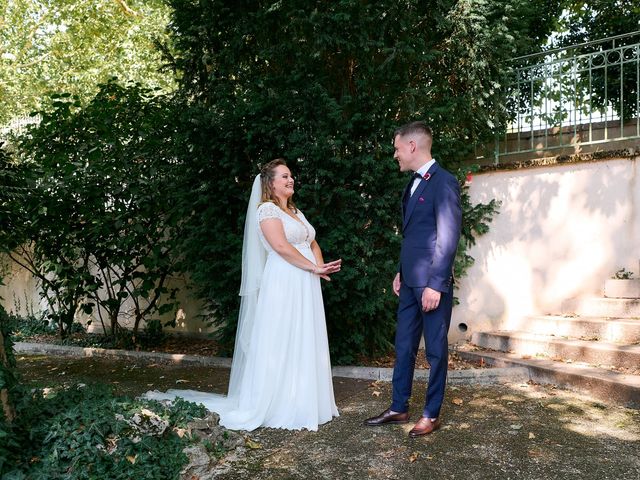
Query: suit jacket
{"points": [[432, 220]]}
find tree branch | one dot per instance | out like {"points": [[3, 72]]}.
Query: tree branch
{"points": [[126, 8]]}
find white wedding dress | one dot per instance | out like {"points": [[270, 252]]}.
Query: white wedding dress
{"points": [[281, 372]]}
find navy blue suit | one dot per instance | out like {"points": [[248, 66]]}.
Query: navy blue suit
{"points": [[432, 219]]}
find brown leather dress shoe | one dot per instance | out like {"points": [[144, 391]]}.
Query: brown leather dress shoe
{"points": [[387, 417], [424, 426]]}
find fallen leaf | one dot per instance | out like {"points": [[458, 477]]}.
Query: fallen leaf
{"points": [[413, 457], [457, 401], [132, 458], [251, 444], [182, 381], [516, 427], [464, 426], [181, 432], [532, 435], [375, 393]]}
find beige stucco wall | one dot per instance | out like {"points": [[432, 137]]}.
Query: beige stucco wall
{"points": [[561, 231], [20, 295]]}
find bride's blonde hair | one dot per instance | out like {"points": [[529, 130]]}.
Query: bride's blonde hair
{"points": [[267, 175]]}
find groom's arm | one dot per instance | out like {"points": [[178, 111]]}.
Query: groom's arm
{"points": [[448, 212]]}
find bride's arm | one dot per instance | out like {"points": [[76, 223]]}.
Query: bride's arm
{"points": [[317, 253], [274, 234]]}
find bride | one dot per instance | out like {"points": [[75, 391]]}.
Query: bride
{"points": [[281, 371]]}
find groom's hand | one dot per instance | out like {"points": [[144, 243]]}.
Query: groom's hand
{"points": [[396, 284], [430, 299]]}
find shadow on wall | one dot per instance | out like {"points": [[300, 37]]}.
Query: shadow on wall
{"points": [[561, 231]]}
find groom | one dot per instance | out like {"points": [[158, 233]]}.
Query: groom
{"points": [[431, 223]]}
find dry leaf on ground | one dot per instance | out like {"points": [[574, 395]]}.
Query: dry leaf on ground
{"points": [[251, 444]]}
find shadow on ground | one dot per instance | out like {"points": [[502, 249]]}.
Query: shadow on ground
{"points": [[509, 431]]}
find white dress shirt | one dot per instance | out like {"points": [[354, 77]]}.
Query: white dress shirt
{"points": [[422, 170]]}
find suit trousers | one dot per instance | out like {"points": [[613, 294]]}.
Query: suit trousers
{"points": [[434, 325]]}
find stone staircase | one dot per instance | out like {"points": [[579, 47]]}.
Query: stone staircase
{"points": [[593, 346]]}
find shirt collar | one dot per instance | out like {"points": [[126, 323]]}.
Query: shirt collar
{"points": [[425, 168]]}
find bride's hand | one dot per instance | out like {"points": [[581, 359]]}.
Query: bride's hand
{"points": [[326, 269]]}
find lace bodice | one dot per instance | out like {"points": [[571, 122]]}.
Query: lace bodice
{"points": [[299, 233]]}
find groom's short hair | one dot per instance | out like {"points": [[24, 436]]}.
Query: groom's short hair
{"points": [[413, 128]]}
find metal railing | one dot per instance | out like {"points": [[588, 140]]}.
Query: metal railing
{"points": [[569, 98]]}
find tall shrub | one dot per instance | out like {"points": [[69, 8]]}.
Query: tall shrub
{"points": [[324, 84], [99, 226]]}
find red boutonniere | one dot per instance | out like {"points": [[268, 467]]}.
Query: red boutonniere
{"points": [[468, 179], [426, 176]]}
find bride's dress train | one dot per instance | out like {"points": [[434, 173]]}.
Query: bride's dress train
{"points": [[281, 371]]}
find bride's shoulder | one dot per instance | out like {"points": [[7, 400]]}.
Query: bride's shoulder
{"points": [[268, 210]]}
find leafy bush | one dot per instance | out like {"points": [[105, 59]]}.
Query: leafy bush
{"points": [[324, 84], [86, 432], [98, 226]]}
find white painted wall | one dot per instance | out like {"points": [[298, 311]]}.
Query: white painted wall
{"points": [[561, 232]]}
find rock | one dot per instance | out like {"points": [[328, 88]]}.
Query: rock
{"points": [[209, 429], [144, 422], [200, 466]]}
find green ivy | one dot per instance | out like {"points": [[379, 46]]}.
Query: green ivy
{"points": [[82, 433]]}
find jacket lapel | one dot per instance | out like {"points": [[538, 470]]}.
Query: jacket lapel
{"points": [[411, 202], [405, 197]]}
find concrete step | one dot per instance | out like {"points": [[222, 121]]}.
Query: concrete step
{"points": [[602, 307], [605, 385], [595, 353], [617, 330]]}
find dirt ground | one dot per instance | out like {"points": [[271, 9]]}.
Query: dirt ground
{"points": [[508, 431]]}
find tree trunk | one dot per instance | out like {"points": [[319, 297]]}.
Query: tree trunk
{"points": [[7, 406]]}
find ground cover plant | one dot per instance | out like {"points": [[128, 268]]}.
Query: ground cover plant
{"points": [[84, 432]]}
